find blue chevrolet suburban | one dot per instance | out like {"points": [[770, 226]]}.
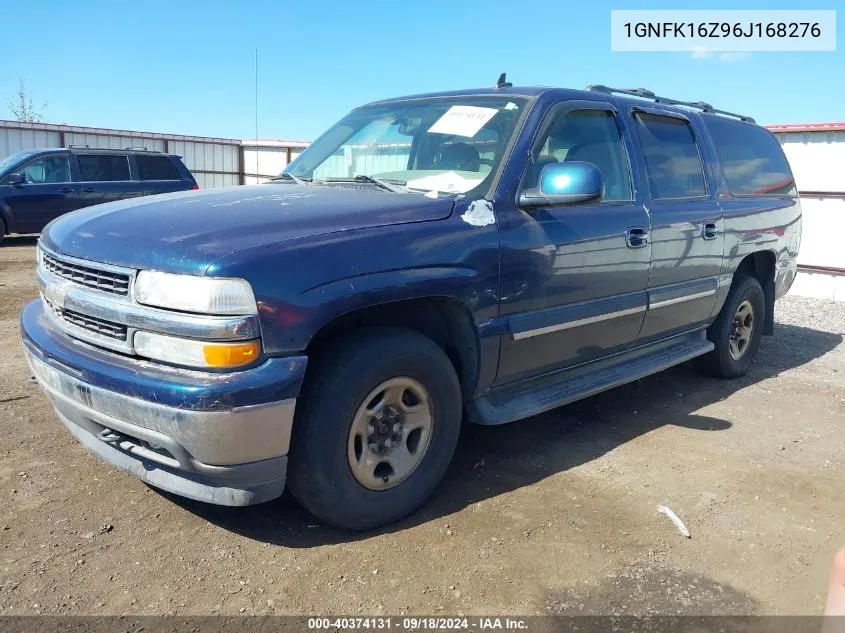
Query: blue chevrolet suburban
{"points": [[476, 256], [39, 185]]}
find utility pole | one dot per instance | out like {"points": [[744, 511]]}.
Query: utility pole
{"points": [[256, 115]]}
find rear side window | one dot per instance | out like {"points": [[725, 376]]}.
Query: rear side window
{"points": [[156, 168], [672, 161], [103, 167], [752, 159]]}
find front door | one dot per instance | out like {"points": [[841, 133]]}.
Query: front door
{"points": [[46, 193], [687, 227], [574, 277]]}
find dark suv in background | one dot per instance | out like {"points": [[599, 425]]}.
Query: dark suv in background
{"points": [[39, 185]]}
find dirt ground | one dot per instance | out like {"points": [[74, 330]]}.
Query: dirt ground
{"points": [[556, 514]]}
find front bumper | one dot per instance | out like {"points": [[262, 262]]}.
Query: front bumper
{"points": [[219, 438]]}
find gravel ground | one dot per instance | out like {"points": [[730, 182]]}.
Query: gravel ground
{"points": [[556, 514]]}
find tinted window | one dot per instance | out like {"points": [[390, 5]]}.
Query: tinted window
{"points": [[156, 168], [752, 159], [100, 167], [671, 157], [591, 136], [46, 170]]}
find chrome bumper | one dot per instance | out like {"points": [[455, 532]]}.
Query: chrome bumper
{"points": [[229, 457]]}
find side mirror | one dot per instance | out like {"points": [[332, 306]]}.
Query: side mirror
{"points": [[16, 179], [564, 183]]}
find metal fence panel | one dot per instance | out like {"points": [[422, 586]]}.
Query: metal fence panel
{"points": [[816, 159], [15, 140], [823, 223], [113, 142], [215, 162]]}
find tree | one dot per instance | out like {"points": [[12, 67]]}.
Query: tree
{"points": [[23, 109]]}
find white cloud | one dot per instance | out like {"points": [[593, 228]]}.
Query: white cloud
{"points": [[733, 57], [700, 52]]}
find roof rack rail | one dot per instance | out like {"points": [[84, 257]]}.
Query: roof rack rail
{"points": [[648, 94], [140, 149], [78, 146]]}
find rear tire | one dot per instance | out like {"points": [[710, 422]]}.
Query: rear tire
{"points": [[376, 427], [736, 331]]}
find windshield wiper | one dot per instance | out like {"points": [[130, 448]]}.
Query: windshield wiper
{"points": [[287, 176], [384, 184]]}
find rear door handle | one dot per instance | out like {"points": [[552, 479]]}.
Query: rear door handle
{"points": [[88, 190], [65, 190], [709, 231], [636, 237]]}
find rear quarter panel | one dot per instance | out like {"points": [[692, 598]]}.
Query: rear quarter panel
{"points": [[770, 224]]}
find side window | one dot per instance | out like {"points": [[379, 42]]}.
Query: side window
{"points": [[590, 136], [672, 161], [156, 168], [752, 159], [47, 170], [103, 167]]}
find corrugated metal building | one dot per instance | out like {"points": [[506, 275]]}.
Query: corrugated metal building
{"points": [[215, 162], [267, 158], [816, 153]]}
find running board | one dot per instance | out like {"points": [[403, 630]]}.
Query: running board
{"points": [[510, 403]]}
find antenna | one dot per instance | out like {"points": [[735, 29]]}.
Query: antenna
{"points": [[503, 81], [256, 116]]}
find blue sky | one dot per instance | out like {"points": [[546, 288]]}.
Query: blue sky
{"points": [[188, 67]]}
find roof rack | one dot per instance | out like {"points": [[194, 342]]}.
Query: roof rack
{"points": [[78, 146], [648, 94]]}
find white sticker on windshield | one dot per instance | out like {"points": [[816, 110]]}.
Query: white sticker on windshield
{"points": [[449, 182], [463, 120]]}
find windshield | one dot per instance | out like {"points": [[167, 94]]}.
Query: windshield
{"points": [[9, 161], [440, 145]]}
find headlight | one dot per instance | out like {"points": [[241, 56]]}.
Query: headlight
{"points": [[203, 354], [204, 295]]}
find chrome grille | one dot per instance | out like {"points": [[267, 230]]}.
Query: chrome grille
{"points": [[92, 324], [107, 281]]}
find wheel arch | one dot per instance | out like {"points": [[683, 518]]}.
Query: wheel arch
{"points": [[762, 265], [445, 320]]}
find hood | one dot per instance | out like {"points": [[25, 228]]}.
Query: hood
{"points": [[187, 231]]}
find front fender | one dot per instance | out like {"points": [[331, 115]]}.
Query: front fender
{"points": [[300, 287]]}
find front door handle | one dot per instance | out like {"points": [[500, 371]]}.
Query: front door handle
{"points": [[65, 190], [88, 190], [636, 237], [709, 231]]}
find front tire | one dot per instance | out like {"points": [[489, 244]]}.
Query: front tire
{"points": [[376, 427], [736, 331]]}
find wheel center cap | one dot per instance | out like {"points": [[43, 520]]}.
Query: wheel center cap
{"points": [[382, 428]]}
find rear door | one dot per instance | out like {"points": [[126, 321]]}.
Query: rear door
{"points": [[103, 177], [46, 193], [687, 224]]}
